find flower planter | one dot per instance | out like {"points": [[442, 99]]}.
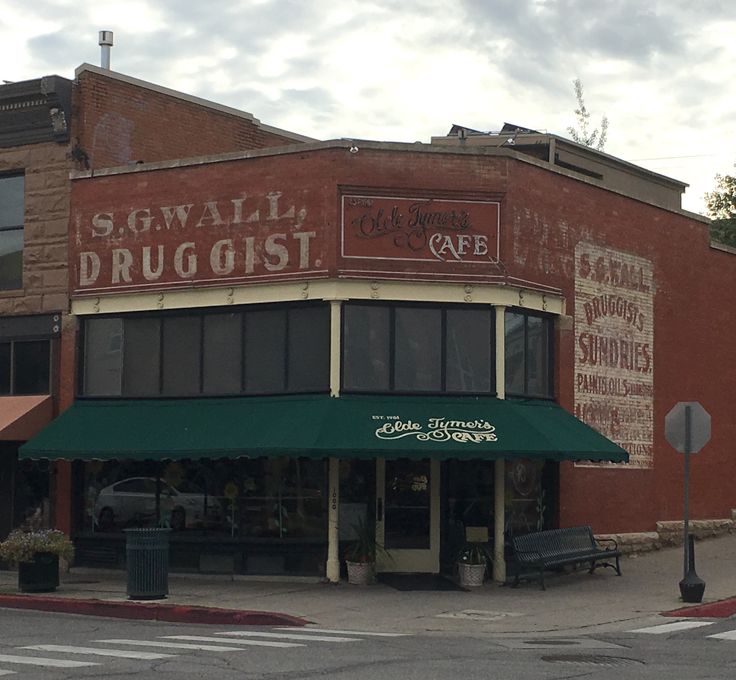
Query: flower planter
{"points": [[471, 575], [360, 573], [40, 575]]}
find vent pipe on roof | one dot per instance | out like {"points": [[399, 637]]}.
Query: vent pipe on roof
{"points": [[105, 44]]}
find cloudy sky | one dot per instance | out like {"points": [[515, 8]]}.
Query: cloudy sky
{"points": [[662, 71]]}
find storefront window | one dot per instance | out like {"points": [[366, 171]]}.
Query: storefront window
{"points": [[418, 347], [410, 349], [407, 513], [222, 356], [528, 353], [263, 350], [25, 366], [366, 348], [280, 498]]}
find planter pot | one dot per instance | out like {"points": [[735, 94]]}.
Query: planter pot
{"points": [[360, 573], [471, 575], [41, 575]]}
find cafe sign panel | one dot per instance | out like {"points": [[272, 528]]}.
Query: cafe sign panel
{"points": [[420, 229], [435, 430]]}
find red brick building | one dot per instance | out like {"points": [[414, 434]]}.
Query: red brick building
{"points": [[295, 338]]}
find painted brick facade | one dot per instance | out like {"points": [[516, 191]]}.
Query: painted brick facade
{"points": [[548, 219]]}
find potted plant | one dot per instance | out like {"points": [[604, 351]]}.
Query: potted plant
{"points": [[37, 555], [472, 562], [360, 555]]}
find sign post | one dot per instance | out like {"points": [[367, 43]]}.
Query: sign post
{"points": [[687, 429]]}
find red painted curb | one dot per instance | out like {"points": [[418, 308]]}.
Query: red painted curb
{"points": [[721, 609], [173, 613]]}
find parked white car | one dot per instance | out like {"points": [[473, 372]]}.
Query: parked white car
{"points": [[133, 500]]}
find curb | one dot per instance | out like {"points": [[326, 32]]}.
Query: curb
{"points": [[172, 613], [720, 609]]}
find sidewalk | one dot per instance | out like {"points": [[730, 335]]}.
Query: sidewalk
{"points": [[573, 603]]}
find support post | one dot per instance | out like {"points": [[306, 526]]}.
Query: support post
{"points": [[499, 488], [335, 323], [333, 523]]}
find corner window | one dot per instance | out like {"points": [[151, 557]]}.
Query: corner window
{"points": [[11, 232], [428, 349], [528, 341]]}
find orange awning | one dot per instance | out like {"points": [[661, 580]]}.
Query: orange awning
{"points": [[23, 417]]}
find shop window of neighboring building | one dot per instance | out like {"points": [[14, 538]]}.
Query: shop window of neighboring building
{"points": [[528, 342], [258, 350], [25, 367], [11, 231], [418, 348]]}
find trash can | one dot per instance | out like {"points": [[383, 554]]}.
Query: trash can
{"points": [[147, 560]]}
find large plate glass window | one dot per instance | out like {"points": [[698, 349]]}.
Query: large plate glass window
{"points": [[528, 354], [12, 208], [430, 349], [255, 350]]}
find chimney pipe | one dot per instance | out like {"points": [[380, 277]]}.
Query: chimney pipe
{"points": [[105, 43]]}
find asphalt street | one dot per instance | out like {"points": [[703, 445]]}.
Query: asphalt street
{"points": [[36, 645]]}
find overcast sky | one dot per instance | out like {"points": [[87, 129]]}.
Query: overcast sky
{"points": [[662, 71]]}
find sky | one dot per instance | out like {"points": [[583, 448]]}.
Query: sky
{"points": [[661, 71]]}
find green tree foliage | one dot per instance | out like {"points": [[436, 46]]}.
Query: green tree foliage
{"points": [[721, 203], [581, 134]]}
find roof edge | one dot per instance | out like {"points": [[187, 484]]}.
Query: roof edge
{"points": [[137, 82]]}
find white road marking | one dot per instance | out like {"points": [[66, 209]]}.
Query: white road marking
{"points": [[7, 672], [672, 627], [123, 654], [291, 636], [727, 635], [174, 645], [347, 632], [41, 661], [239, 641]]}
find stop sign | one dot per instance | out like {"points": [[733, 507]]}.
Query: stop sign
{"points": [[675, 426]]}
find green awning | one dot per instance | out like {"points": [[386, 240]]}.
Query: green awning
{"points": [[318, 426]]}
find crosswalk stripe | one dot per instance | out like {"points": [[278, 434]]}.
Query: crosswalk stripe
{"points": [[121, 653], [672, 627], [2, 672], [347, 632], [291, 636], [727, 635], [254, 643], [41, 661], [170, 645]]}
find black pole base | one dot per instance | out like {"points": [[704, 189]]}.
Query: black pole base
{"points": [[692, 587]]}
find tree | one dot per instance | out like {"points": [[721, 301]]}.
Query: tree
{"points": [[595, 139], [721, 203]]}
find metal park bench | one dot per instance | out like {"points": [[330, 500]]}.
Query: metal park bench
{"points": [[543, 550]]}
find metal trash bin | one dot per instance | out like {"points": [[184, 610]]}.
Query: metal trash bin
{"points": [[147, 561]]}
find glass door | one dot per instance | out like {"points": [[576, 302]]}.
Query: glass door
{"points": [[407, 515]]}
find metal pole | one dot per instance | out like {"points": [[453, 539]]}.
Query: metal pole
{"points": [[686, 524]]}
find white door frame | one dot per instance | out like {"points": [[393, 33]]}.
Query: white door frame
{"points": [[409, 560]]}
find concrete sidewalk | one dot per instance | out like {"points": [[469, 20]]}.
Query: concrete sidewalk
{"points": [[573, 602]]}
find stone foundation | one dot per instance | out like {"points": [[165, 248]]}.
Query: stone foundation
{"points": [[670, 533]]}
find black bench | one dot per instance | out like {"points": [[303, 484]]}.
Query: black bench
{"points": [[543, 550]]}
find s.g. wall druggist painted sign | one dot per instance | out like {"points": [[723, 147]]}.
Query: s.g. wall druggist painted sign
{"points": [[246, 236], [420, 229]]}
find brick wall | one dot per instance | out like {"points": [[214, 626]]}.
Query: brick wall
{"points": [[547, 219], [119, 123]]}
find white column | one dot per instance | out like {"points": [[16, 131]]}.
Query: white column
{"points": [[332, 568], [499, 491], [333, 526]]}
